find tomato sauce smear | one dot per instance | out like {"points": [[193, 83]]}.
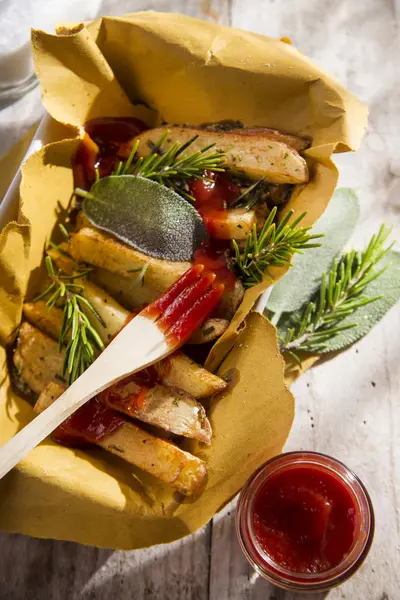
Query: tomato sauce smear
{"points": [[91, 423], [305, 519], [107, 141]]}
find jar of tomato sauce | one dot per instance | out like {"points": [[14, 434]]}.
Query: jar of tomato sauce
{"points": [[305, 521]]}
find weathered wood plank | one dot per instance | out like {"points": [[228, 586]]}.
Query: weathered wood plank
{"points": [[33, 569]]}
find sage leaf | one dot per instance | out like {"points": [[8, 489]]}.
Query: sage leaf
{"points": [[303, 279], [146, 216]]}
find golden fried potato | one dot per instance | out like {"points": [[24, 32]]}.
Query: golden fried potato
{"points": [[160, 458], [99, 249], [254, 155], [180, 371], [209, 331], [233, 224], [37, 358]]}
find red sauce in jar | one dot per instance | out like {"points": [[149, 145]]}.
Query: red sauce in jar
{"points": [[88, 425], [304, 519], [107, 141]]}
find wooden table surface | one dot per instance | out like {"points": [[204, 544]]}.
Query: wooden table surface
{"points": [[348, 407]]}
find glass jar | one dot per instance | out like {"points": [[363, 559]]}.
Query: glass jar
{"points": [[362, 520]]}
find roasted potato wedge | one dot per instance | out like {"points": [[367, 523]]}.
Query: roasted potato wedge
{"points": [[99, 249], [169, 463], [39, 315], [62, 259], [254, 155], [160, 458], [209, 331], [180, 371], [37, 358], [230, 300], [233, 224], [130, 295], [125, 290], [163, 406], [297, 143]]}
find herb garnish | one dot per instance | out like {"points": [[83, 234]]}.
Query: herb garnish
{"points": [[272, 247], [340, 295], [166, 167], [83, 339]]}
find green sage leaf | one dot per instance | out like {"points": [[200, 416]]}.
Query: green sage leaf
{"points": [[145, 215]]}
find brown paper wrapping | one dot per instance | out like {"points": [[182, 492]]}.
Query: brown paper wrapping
{"points": [[184, 71]]}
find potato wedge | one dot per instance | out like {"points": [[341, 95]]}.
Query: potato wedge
{"points": [[209, 331], [130, 295], [163, 406], [99, 249], [230, 300], [37, 358], [39, 315], [50, 321], [254, 155], [169, 463], [297, 143], [233, 224], [62, 259], [180, 371], [160, 458]]}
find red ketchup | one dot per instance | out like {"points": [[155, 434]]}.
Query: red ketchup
{"points": [[129, 394], [305, 521], [88, 425], [212, 199], [108, 140]]}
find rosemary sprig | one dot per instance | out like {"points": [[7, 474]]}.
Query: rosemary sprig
{"points": [[77, 332], [169, 166], [339, 295], [272, 247]]}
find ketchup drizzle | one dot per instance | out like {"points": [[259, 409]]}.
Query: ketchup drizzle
{"points": [[107, 141], [88, 425]]}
